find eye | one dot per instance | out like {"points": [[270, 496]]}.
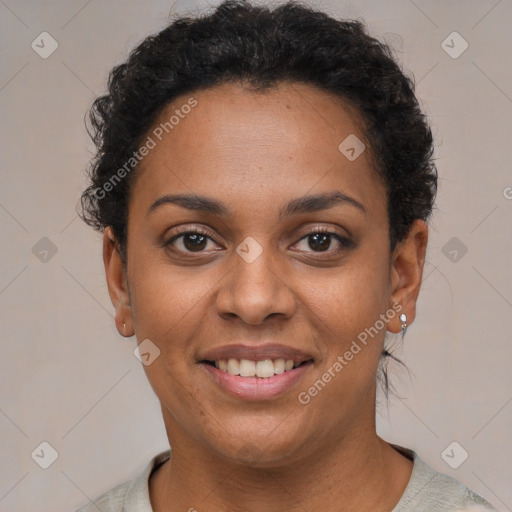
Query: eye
{"points": [[196, 240], [320, 239], [190, 240]]}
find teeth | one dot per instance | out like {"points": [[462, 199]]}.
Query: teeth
{"points": [[265, 368], [262, 369], [279, 366], [233, 367], [247, 368]]}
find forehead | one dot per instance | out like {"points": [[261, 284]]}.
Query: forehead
{"points": [[238, 143]]}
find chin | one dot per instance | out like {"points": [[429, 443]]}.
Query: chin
{"points": [[261, 447]]}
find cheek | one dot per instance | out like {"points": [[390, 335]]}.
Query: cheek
{"points": [[168, 309], [166, 300], [351, 298], [347, 308]]}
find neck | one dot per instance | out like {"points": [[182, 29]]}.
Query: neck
{"points": [[357, 471]]}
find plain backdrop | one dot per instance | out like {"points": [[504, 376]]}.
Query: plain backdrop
{"points": [[69, 379]]}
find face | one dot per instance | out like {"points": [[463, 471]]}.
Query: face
{"points": [[284, 258]]}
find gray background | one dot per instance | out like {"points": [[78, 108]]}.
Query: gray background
{"points": [[69, 379]]}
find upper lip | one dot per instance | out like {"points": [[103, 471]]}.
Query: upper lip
{"points": [[255, 353]]}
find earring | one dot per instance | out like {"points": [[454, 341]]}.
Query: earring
{"points": [[403, 319], [124, 331]]}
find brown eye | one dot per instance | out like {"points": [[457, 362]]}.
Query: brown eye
{"points": [[193, 241], [189, 241], [321, 240]]}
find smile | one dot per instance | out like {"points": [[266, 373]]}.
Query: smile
{"points": [[255, 372], [264, 369]]}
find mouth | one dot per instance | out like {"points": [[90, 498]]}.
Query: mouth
{"points": [[257, 372], [262, 369]]}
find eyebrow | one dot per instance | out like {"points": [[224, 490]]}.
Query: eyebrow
{"points": [[304, 204]]}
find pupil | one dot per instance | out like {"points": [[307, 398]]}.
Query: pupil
{"points": [[198, 241], [323, 238]]}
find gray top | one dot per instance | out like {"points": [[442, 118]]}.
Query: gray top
{"points": [[427, 491]]}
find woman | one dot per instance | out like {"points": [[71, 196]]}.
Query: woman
{"points": [[264, 180]]}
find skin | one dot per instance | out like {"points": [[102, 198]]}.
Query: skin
{"points": [[255, 152]]}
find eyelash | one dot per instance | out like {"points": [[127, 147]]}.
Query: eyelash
{"points": [[344, 242]]}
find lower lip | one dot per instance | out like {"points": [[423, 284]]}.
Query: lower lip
{"points": [[256, 388]]}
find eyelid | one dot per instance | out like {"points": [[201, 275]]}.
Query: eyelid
{"points": [[180, 230], [326, 229], [193, 228]]}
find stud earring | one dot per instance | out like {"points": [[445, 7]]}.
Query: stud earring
{"points": [[403, 319]]}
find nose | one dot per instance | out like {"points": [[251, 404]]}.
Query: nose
{"points": [[253, 290]]}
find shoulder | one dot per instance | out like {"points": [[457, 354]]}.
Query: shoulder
{"points": [[111, 501], [431, 491], [131, 496]]}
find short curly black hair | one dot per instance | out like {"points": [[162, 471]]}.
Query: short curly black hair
{"points": [[261, 46]]}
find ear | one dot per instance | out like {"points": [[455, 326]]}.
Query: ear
{"points": [[407, 271], [117, 283]]}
